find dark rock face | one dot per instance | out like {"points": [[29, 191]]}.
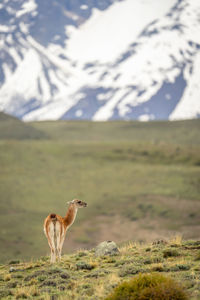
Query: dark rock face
{"points": [[106, 248]]}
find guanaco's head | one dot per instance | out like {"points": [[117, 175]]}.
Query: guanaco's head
{"points": [[78, 203]]}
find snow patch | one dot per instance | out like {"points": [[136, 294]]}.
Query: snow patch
{"points": [[27, 7], [79, 113], [4, 28], [189, 106], [83, 7], [26, 73], [146, 118], [107, 33]]}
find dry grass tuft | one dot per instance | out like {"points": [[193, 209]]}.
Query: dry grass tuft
{"points": [[93, 262], [27, 292], [7, 277], [176, 240], [113, 278], [22, 293], [125, 248], [99, 290], [46, 297], [34, 291]]}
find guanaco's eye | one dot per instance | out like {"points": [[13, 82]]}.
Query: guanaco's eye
{"points": [[79, 202]]}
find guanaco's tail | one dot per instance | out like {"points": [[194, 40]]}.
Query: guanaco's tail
{"points": [[53, 217]]}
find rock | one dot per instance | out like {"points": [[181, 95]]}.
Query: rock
{"points": [[12, 269], [106, 248]]}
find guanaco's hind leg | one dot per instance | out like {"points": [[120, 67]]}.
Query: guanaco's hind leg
{"points": [[61, 241], [51, 242], [60, 237]]}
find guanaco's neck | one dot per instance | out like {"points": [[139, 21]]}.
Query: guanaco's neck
{"points": [[70, 215]]}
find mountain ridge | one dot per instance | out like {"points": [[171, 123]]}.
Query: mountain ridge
{"points": [[134, 63]]}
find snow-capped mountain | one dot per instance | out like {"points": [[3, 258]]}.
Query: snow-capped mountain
{"points": [[100, 59]]}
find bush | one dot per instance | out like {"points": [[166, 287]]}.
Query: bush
{"points": [[164, 291], [197, 257], [144, 287], [170, 253], [84, 266], [129, 270], [14, 262], [179, 267], [41, 278], [158, 268]]}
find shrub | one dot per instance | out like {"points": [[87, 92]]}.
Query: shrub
{"points": [[21, 295], [84, 266], [14, 262], [164, 291], [147, 261], [157, 259], [144, 287], [41, 278], [179, 267], [7, 277], [5, 293], [81, 254], [197, 257], [170, 253], [148, 249], [129, 270], [158, 268]]}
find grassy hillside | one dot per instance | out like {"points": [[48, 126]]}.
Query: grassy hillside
{"points": [[82, 275], [141, 181], [13, 128], [177, 132]]}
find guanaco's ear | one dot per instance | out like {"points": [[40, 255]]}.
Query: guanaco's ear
{"points": [[70, 202]]}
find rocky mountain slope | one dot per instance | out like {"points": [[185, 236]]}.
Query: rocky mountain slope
{"points": [[100, 59]]}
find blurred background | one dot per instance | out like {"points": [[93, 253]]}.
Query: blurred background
{"points": [[99, 100]]}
